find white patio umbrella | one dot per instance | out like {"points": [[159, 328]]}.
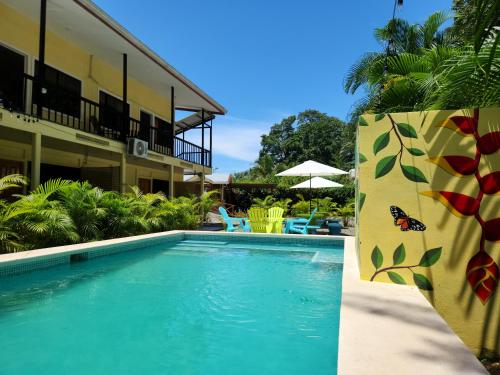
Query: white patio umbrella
{"points": [[316, 183], [311, 168]]}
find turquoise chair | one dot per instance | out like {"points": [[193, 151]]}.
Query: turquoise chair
{"points": [[301, 226], [242, 223]]}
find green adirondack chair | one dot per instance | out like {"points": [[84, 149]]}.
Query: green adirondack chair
{"points": [[275, 215], [259, 221]]}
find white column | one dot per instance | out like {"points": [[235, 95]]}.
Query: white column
{"points": [[171, 183], [123, 173], [36, 157]]}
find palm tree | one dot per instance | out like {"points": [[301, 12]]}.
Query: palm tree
{"points": [[402, 37], [9, 236], [206, 202], [45, 222], [83, 203]]}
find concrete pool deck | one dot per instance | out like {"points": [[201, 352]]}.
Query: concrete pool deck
{"points": [[393, 329], [384, 328]]}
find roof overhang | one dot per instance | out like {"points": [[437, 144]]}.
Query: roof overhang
{"points": [[86, 25], [192, 121]]}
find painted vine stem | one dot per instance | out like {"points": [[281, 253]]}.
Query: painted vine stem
{"points": [[429, 258], [482, 272], [386, 164]]}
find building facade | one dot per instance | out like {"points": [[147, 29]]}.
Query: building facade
{"points": [[83, 99]]}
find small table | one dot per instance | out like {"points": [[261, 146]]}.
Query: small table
{"points": [[322, 231]]}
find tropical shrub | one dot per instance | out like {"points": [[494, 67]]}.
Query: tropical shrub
{"points": [[345, 212], [61, 212], [206, 202]]}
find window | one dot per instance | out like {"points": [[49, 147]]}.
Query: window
{"points": [[11, 79], [62, 92], [111, 113], [145, 126], [164, 132]]}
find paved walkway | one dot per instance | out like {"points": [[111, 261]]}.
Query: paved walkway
{"points": [[393, 329]]}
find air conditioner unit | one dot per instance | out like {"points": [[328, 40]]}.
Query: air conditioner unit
{"points": [[137, 147]]}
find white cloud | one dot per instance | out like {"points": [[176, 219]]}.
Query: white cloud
{"points": [[235, 137]]}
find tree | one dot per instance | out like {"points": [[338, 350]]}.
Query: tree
{"points": [[430, 68], [403, 37], [311, 135]]}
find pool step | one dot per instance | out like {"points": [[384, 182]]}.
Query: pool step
{"points": [[325, 257], [202, 243]]}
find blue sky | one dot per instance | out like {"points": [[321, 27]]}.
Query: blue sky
{"points": [[263, 59]]}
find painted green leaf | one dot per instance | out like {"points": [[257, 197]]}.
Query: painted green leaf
{"points": [[422, 282], [362, 197], [406, 130], [399, 255], [377, 258], [416, 151], [385, 165], [396, 278], [430, 257], [379, 116], [413, 174], [362, 121], [362, 158], [381, 142]]}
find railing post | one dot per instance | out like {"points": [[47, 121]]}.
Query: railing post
{"points": [[41, 56], [125, 111]]}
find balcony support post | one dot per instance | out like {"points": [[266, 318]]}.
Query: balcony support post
{"points": [[172, 119], [36, 157], [171, 184], [210, 155], [202, 138], [41, 55], [202, 182], [123, 172], [125, 112]]}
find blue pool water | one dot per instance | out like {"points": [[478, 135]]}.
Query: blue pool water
{"points": [[187, 308]]}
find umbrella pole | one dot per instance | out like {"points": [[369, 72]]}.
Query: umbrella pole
{"points": [[310, 194]]}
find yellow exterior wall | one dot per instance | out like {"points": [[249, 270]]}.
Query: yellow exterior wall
{"points": [[458, 253], [21, 33]]}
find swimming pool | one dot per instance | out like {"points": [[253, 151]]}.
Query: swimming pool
{"points": [[201, 305]]}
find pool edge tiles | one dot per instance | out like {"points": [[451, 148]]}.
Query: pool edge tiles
{"points": [[13, 264], [28, 261]]}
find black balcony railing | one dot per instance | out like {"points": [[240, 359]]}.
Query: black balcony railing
{"points": [[57, 105], [192, 153]]}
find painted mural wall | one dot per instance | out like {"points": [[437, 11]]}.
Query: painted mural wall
{"points": [[428, 212]]}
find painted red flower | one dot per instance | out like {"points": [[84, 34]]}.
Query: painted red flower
{"points": [[490, 183], [489, 143], [456, 165], [464, 124], [492, 230], [482, 275], [458, 204]]}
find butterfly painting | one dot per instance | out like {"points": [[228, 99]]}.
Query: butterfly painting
{"points": [[405, 222]]}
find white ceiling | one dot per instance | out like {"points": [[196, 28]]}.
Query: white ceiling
{"points": [[83, 23]]}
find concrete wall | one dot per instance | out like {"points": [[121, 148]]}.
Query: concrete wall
{"points": [[429, 212]]}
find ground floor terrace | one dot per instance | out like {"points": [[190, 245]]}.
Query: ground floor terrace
{"points": [[42, 150]]}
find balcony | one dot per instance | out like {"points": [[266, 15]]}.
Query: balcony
{"points": [[77, 112]]}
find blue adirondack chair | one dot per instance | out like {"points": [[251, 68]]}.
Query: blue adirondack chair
{"points": [[301, 226], [242, 223]]}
